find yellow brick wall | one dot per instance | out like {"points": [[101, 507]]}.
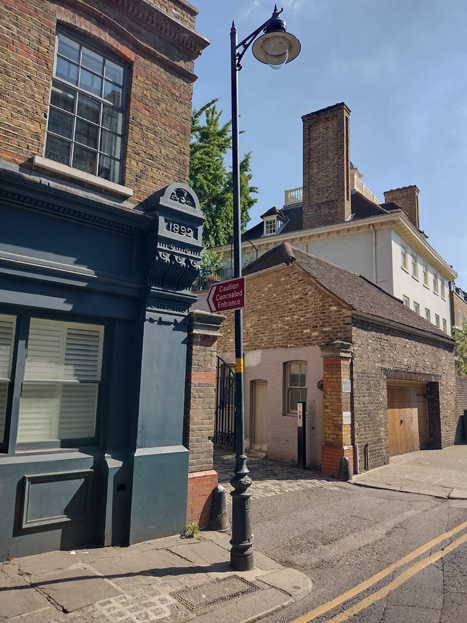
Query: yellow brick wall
{"points": [[285, 309]]}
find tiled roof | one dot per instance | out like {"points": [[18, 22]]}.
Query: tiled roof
{"points": [[361, 294]]}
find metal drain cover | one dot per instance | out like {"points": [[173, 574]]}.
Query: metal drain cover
{"points": [[216, 592]]}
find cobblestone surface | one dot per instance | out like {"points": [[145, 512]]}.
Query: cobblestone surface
{"points": [[269, 477]]}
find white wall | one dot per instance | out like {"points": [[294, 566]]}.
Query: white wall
{"points": [[268, 365], [406, 284]]}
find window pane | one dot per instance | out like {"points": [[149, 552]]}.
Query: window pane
{"points": [[7, 333], [114, 72], [78, 411], [91, 60], [84, 159], [86, 133], [112, 119], [43, 360], [67, 47], [60, 123], [113, 93], [90, 82], [111, 144], [38, 416], [58, 150], [66, 71], [109, 169], [88, 108], [3, 399], [63, 98], [83, 353]]}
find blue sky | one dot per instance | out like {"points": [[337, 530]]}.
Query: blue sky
{"points": [[401, 68]]}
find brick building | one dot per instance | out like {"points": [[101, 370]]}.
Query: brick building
{"points": [[336, 217], [377, 378], [99, 245]]}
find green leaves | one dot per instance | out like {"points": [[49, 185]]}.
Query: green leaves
{"points": [[460, 335], [211, 180]]}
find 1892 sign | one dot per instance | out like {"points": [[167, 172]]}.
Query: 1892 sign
{"points": [[179, 229]]}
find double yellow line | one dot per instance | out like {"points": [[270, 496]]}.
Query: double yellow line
{"points": [[403, 577]]}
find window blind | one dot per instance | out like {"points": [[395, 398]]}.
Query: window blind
{"points": [[7, 334], [63, 369]]}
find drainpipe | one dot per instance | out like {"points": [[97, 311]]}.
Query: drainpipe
{"points": [[374, 253]]}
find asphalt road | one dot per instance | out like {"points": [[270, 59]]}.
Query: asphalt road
{"points": [[384, 557]]}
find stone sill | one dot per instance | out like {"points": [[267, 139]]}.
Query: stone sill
{"points": [[76, 174]]}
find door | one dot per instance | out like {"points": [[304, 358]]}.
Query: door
{"points": [[407, 419], [259, 437]]}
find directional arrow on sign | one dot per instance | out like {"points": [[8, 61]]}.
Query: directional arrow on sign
{"points": [[227, 295]]}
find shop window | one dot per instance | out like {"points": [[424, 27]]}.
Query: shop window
{"points": [[59, 388], [296, 384], [86, 114]]}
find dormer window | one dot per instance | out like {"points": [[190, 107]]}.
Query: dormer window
{"points": [[273, 220], [270, 226]]}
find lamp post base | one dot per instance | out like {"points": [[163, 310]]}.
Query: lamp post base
{"points": [[241, 553]]}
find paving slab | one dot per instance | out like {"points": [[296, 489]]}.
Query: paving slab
{"points": [[18, 600], [296, 584], [76, 588], [202, 553], [248, 608]]}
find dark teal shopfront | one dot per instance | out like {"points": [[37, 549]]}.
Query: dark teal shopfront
{"points": [[94, 300]]}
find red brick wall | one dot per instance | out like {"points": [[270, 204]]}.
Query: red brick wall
{"points": [[407, 199], [201, 487]]}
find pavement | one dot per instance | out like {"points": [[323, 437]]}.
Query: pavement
{"points": [[439, 473], [177, 579]]}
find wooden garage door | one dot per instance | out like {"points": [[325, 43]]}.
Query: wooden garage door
{"points": [[407, 418]]}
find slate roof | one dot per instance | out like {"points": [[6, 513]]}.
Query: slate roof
{"points": [[357, 291], [360, 205]]}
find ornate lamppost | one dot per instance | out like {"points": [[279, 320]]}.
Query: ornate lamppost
{"points": [[275, 47]]}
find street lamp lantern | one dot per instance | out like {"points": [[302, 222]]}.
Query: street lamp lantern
{"points": [[275, 47]]}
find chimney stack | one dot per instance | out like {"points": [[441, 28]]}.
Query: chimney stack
{"points": [[407, 199], [326, 166]]}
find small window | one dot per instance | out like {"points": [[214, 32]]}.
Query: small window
{"points": [[270, 227], [437, 322], [427, 314], [86, 113], [406, 301], [426, 276], [296, 382], [414, 266], [404, 260], [445, 325], [416, 307], [443, 288], [435, 283]]}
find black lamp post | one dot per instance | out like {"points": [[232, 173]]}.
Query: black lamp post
{"points": [[274, 47]]}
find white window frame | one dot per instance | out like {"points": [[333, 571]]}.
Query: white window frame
{"points": [[108, 149], [435, 282], [290, 387], [270, 226], [414, 265], [426, 275], [427, 314], [437, 321], [406, 301], [404, 256], [416, 307], [445, 325]]}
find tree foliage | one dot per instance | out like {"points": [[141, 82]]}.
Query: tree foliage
{"points": [[460, 335], [210, 178]]}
